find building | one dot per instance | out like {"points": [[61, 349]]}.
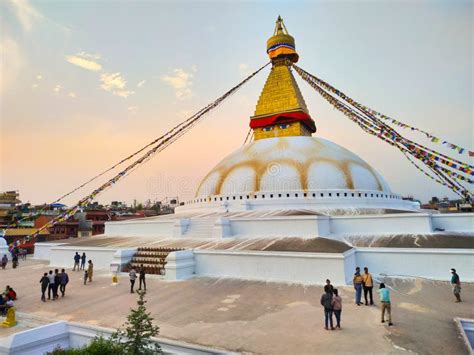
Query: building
{"points": [[70, 228], [287, 207]]}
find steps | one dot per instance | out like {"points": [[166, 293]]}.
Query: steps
{"points": [[152, 258], [200, 228]]}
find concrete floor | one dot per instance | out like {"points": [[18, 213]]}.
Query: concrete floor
{"points": [[256, 317]]}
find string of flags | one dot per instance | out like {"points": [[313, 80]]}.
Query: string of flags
{"points": [[443, 169], [430, 136], [158, 145]]}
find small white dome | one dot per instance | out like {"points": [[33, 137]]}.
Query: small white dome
{"points": [[290, 164], [3, 242]]}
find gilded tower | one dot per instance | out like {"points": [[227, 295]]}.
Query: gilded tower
{"points": [[281, 110]]}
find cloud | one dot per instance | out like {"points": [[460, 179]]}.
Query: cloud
{"points": [[39, 76], [132, 109], [57, 88], [181, 81], [85, 61], [11, 57], [34, 86], [141, 83], [25, 13], [115, 83], [72, 95]]}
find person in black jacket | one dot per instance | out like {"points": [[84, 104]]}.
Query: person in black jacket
{"points": [[57, 282], [44, 286], [141, 277], [326, 302]]}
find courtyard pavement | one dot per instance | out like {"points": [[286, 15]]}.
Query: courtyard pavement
{"points": [[256, 317]]}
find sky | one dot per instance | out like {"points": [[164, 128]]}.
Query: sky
{"points": [[85, 83]]}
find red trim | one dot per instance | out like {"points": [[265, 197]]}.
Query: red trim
{"points": [[285, 117]]}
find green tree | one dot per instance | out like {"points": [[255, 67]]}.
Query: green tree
{"points": [[138, 331]]}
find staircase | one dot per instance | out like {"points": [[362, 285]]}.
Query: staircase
{"points": [[152, 258], [200, 228]]}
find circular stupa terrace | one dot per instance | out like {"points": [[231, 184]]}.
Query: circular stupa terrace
{"points": [[287, 207]]}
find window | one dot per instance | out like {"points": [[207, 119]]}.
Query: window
{"points": [[241, 197], [279, 195], [296, 195], [271, 196], [248, 197], [314, 195], [267, 129], [305, 194], [337, 194], [284, 125], [233, 197], [287, 195], [221, 198], [330, 194], [322, 195], [352, 195], [227, 198], [263, 196]]}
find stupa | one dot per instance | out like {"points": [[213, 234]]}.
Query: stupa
{"points": [[285, 167]]}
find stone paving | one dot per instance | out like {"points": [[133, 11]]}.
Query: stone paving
{"points": [[256, 317]]}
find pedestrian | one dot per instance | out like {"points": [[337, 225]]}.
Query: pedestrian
{"points": [[10, 292], [368, 284], [64, 280], [44, 285], [85, 276], [57, 282], [456, 284], [15, 260], [133, 277], [83, 261], [4, 261], [337, 307], [90, 270], [141, 278], [77, 259], [357, 281], [326, 302], [51, 284], [328, 283], [386, 305]]}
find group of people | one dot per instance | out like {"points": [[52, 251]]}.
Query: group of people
{"points": [[141, 276], [79, 259], [52, 282], [7, 299], [332, 303]]}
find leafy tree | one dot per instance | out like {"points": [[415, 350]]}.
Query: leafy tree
{"points": [[139, 328]]}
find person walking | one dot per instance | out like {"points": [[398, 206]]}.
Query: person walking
{"points": [[386, 304], [328, 283], [90, 270], [141, 278], [133, 277], [57, 281], [85, 277], [44, 286], [51, 284], [357, 281], [368, 285], [4, 261], [337, 307], [64, 280], [326, 302], [83, 261], [456, 284], [77, 259]]}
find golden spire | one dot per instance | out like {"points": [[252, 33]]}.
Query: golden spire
{"points": [[281, 110]]}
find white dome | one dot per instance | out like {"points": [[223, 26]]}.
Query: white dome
{"points": [[290, 164]]}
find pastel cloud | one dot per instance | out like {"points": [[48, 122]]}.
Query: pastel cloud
{"points": [[57, 88], [25, 13], [11, 58], [180, 81], [244, 69], [115, 83], [141, 83], [85, 61]]}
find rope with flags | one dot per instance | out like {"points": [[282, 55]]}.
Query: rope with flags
{"points": [[443, 169], [158, 145]]}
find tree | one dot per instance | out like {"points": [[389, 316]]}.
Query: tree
{"points": [[139, 328]]}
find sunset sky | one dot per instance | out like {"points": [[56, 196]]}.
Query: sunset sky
{"points": [[86, 83]]}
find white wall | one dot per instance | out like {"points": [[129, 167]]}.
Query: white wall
{"points": [[305, 268], [417, 223], [280, 226], [43, 250], [417, 262], [140, 227], [456, 222], [63, 256], [45, 338]]}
